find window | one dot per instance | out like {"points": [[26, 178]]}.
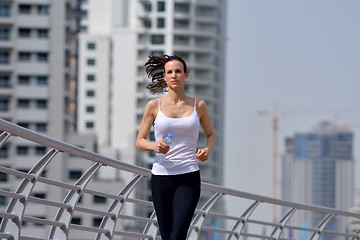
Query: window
{"points": [[91, 45], [181, 8], [43, 9], [90, 124], [91, 61], [147, 23], [4, 10], [90, 109], [90, 93], [23, 103], [161, 22], [181, 40], [97, 221], [41, 127], [76, 220], [3, 177], [24, 124], [4, 57], [99, 199], [41, 103], [181, 24], [157, 53], [4, 34], [22, 150], [161, 6], [75, 174], [24, 32], [43, 33], [40, 195], [4, 104], [5, 80], [23, 80], [147, 7], [157, 39], [83, 29], [42, 80], [24, 56], [40, 150], [42, 56], [90, 77], [3, 201], [24, 9], [4, 152], [83, 14]]}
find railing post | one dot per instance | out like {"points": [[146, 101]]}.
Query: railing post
{"points": [[17, 206], [358, 235], [64, 215], [151, 228], [240, 224], [279, 229], [115, 208], [3, 138], [199, 219], [321, 227]]}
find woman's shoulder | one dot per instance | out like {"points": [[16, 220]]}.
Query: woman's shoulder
{"points": [[152, 103], [201, 106], [200, 103], [152, 107]]}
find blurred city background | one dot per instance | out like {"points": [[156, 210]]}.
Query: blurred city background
{"points": [[298, 59], [281, 80]]}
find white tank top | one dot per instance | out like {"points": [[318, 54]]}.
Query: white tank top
{"points": [[181, 156]]}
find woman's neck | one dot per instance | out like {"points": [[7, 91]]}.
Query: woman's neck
{"points": [[176, 96]]}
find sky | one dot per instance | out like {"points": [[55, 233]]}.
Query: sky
{"points": [[299, 54]]}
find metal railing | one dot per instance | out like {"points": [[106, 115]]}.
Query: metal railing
{"points": [[207, 223]]}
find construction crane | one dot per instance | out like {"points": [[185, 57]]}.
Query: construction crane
{"points": [[275, 113], [348, 126]]}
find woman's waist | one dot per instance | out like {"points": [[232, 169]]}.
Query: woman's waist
{"points": [[181, 154]]}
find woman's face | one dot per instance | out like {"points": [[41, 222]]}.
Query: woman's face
{"points": [[174, 74]]}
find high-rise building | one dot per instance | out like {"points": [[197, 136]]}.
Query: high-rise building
{"points": [[38, 92], [117, 38], [318, 168]]}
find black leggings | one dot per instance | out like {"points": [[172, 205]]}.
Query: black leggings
{"points": [[175, 198]]}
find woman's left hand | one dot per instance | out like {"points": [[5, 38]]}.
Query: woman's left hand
{"points": [[202, 154]]}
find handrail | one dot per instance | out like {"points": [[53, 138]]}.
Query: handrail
{"points": [[207, 219]]}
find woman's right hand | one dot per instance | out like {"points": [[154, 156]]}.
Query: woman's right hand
{"points": [[161, 147]]}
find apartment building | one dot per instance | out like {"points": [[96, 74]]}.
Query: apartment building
{"points": [[318, 168], [38, 91]]}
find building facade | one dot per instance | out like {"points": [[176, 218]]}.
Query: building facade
{"points": [[38, 91], [318, 168]]}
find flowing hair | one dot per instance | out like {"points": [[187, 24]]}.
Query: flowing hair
{"points": [[155, 69]]}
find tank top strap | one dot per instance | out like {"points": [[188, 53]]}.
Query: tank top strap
{"points": [[195, 105], [159, 103]]}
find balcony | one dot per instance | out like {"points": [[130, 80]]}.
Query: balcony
{"points": [[6, 44], [34, 21], [32, 115], [37, 2], [33, 68], [33, 45], [32, 92]]}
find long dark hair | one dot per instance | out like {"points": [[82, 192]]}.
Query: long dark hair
{"points": [[155, 68]]}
